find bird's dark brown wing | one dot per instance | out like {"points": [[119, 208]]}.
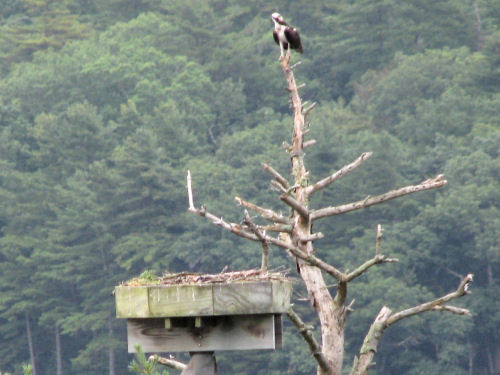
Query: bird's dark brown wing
{"points": [[292, 35]]}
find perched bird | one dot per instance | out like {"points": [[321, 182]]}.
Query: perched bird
{"points": [[286, 36]]}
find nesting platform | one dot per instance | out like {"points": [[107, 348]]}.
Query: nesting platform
{"points": [[193, 312]]}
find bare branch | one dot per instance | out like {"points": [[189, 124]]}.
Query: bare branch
{"points": [[378, 240], [278, 177], [266, 213], [295, 205], [370, 343], [432, 305], [450, 271], [190, 192], [279, 187], [432, 183], [252, 226], [309, 108], [240, 231], [287, 228], [311, 259], [349, 308], [294, 187], [231, 227], [172, 363], [309, 143], [314, 346], [378, 258], [453, 309], [312, 237], [341, 172], [385, 318], [261, 237]]}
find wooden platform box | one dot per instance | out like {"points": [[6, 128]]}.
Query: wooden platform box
{"points": [[205, 312]]}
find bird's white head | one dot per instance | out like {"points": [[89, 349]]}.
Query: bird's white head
{"points": [[277, 19]]}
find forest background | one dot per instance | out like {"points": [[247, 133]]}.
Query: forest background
{"points": [[104, 105]]}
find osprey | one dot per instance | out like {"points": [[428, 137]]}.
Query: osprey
{"points": [[285, 35]]}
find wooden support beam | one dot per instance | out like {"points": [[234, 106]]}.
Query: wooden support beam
{"points": [[168, 323], [234, 332]]}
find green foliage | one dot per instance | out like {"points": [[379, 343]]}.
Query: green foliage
{"points": [[27, 370], [142, 366], [38, 25]]}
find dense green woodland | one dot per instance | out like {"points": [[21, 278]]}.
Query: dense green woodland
{"points": [[104, 105]]}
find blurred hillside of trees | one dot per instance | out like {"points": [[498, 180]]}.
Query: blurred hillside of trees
{"points": [[105, 105]]}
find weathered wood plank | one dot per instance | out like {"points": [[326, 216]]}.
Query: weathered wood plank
{"points": [[242, 298], [131, 301], [278, 331], [256, 297], [180, 300], [282, 294], [241, 332]]}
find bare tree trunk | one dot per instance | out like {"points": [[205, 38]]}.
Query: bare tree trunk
{"points": [[58, 351], [30, 344], [111, 350], [330, 314]]}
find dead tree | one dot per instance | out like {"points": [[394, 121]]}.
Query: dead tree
{"points": [[295, 236]]}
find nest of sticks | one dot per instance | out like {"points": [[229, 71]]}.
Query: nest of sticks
{"points": [[183, 278]]}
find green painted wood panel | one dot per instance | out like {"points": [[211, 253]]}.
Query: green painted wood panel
{"points": [[180, 300], [131, 301], [184, 300]]}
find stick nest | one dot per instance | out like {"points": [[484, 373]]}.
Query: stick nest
{"points": [[184, 278]]}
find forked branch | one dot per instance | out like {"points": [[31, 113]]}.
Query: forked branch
{"points": [[242, 231], [378, 258], [386, 318], [436, 304], [431, 183]]}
